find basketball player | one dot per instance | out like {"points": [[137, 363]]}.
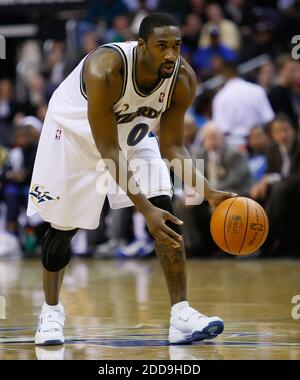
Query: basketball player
{"points": [[109, 104]]}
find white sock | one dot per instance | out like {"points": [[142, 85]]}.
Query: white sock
{"points": [[57, 307], [178, 306]]}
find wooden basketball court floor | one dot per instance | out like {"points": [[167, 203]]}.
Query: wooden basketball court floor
{"points": [[120, 310]]}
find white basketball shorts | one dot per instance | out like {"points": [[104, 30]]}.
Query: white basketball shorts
{"points": [[68, 186]]}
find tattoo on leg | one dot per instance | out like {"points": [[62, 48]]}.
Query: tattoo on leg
{"points": [[173, 263]]}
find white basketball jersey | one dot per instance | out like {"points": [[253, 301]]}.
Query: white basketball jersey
{"points": [[137, 114]]}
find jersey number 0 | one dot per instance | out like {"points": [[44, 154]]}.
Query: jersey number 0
{"points": [[137, 134]]}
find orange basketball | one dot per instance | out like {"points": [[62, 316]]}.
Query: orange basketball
{"points": [[239, 226]]}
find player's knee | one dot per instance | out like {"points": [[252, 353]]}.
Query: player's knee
{"points": [[56, 251], [165, 202]]}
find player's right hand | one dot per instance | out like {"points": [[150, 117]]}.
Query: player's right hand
{"points": [[155, 219], [216, 197]]}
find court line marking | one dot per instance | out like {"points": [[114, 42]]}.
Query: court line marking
{"points": [[153, 343]]}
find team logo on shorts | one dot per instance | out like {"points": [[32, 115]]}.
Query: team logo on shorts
{"points": [[39, 195], [161, 97], [58, 134]]}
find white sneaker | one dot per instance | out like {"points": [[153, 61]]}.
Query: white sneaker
{"points": [[106, 250], [188, 325], [137, 248], [131, 250], [50, 329]]}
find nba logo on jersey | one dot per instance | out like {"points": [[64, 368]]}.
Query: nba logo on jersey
{"points": [[58, 134], [161, 97]]}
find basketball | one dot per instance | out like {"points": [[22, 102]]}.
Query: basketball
{"points": [[239, 226]]}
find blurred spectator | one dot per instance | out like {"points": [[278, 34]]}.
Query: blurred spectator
{"points": [[41, 112], [18, 174], [202, 107], [141, 12], [120, 30], [134, 5], [105, 10], [142, 244], [288, 24], [115, 230], [296, 93], [190, 35], [202, 113], [240, 105], [33, 126], [37, 91], [203, 60], [281, 187], [3, 159], [239, 11], [89, 43], [280, 155], [8, 106], [229, 32], [30, 58], [198, 7], [176, 8], [225, 168], [260, 41], [281, 95], [266, 76], [190, 130], [126, 235], [265, 12], [256, 149], [3, 156], [53, 67]]}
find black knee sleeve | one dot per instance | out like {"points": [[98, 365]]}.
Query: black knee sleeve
{"points": [[165, 202], [56, 252]]}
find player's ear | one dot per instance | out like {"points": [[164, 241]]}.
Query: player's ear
{"points": [[142, 44]]}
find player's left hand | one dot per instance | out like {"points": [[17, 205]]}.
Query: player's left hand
{"points": [[216, 197]]}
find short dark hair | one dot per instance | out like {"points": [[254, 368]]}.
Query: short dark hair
{"points": [[283, 118], [155, 20], [230, 66]]}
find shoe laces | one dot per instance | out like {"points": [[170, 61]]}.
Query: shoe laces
{"points": [[188, 313]]}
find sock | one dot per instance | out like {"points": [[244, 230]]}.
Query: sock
{"points": [[178, 306], [57, 307]]}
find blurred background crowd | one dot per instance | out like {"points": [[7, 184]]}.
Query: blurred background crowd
{"points": [[244, 122]]}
